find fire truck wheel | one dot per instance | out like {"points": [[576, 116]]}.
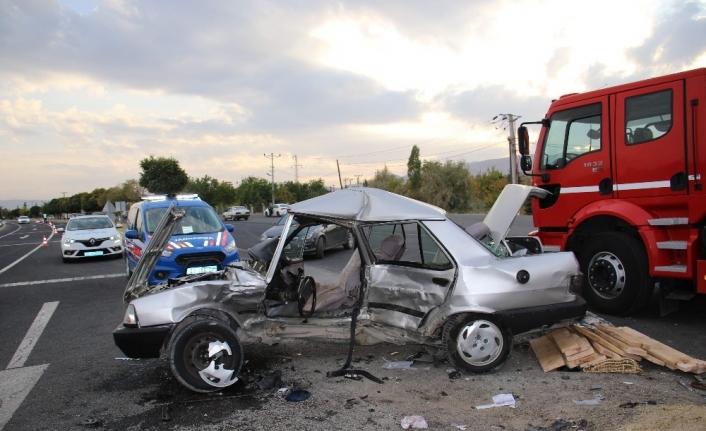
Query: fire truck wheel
{"points": [[615, 267]]}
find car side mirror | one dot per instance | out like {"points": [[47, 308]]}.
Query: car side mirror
{"points": [[230, 227], [131, 234]]}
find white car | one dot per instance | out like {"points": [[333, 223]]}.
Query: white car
{"points": [[23, 220], [90, 236], [276, 210]]}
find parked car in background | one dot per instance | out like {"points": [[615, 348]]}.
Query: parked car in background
{"points": [[201, 243], [90, 236], [236, 213], [414, 277], [276, 210], [23, 220], [319, 238]]}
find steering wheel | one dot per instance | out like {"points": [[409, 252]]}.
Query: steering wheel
{"points": [[570, 156], [306, 290]]}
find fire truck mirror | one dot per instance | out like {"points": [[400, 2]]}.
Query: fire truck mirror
{"points": [[523, 140], [526, 163]]}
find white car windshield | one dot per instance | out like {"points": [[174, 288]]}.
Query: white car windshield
{"points": [[197, 220]]}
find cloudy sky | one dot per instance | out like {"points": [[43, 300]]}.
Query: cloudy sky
{"points": [[88, 88]]}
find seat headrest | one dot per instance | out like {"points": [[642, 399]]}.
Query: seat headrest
{"points": [[391, 248]]}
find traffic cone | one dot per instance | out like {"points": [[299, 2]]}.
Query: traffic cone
{"points": [[44, 241]]}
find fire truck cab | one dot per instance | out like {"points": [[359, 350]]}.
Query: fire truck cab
{"points": [[625, 168]]}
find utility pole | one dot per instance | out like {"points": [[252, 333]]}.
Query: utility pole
{"points": [[296, 169], [64, 193], [339, 174], [357, 179], [514, 179], [272, 175]]}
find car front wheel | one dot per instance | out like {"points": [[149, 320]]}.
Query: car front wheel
{"points": [[206, 355], [476, 343], [128, 271], [320, 247], [350, 241]]}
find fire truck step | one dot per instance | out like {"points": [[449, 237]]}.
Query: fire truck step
{"points": [[671, 268], [668, 221], [671, 245]]}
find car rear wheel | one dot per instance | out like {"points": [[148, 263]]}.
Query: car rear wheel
{"points": [[476, 343], [206, 355], [320, 247]]}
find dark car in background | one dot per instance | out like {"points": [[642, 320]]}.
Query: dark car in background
{"points": [[320, 238]]}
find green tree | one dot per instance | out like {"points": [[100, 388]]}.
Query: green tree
{"points": [[489, 185], [447, 185], [216, 193], [162, 175], [254, 191], [386, 180], [414, 170]]}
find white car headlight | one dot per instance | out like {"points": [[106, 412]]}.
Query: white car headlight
{"points": [[115, 237], [167, 253], [230, 247], [69, 240], [263, 237]]}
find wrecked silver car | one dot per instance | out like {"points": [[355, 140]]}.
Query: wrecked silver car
{"points": [[414, 276]]}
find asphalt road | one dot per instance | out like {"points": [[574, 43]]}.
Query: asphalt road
{"points": [[59, 368]]}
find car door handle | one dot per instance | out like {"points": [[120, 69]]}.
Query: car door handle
{"points": [[440, 281]]}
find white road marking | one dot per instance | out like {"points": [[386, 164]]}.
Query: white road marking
{"points": [[24, 257], [18, 228], [62, 280], [33, 334], [25, 236], [16, 382], [15, 385]]}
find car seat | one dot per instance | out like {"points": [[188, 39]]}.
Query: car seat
{"points": [[391, 248]]}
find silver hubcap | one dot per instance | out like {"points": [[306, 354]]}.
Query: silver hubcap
{"points": [[606, 275], [479, 343]]}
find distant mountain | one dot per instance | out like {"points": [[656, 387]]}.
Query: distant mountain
{"points": [[477, 168]]}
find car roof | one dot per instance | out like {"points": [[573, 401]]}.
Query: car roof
{"points": [[367, 204]]}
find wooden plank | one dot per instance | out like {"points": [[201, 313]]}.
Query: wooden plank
{"points": [[599, 348], [670, 356], [636, 351], [618, 335], [581, 341], [565, 342], [598, 360], [595, 338], [579, 355], [655, 360], [547, 354], [577, 362]]}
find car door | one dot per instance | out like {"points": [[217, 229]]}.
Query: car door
{"points": [[407, 283]]}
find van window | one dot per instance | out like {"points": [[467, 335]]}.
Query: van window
{"points": [[648, 117], [572, 133]]}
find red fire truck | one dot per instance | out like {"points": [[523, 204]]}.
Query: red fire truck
{"points": [[625, 167]]}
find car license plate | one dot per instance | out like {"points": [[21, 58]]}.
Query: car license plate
{"points": [[93, 253], [201, 269]]}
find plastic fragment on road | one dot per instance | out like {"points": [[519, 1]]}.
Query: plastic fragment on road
{"points": [[299, 395], [459, 426], [414, 421], [500, 400], [398, 365], [590, 402], [283, 390]]}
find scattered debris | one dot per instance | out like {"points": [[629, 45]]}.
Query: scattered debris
{"points": [[413, 422], [499, 401], [302, 384], [461, 427], [300, 395], [632, 405], [454, 374], [90, 422], [270, 381], [352, 376], [698, 385], [282, 390], [165, 413], [590, 402], [558, 425]]}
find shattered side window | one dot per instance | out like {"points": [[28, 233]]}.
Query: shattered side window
{"points": [[294, 249]]}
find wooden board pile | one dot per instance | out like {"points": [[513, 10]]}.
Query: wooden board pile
{"points": [[605, 348]]}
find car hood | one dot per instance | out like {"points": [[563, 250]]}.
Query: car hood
{"points": [[500, 217], [90, 233], [138, 284]]}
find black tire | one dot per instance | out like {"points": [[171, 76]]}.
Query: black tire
{"points": [[65, 260], [476, 343], [320, 247], [245, 218], [350, 241], [616, 273], [189, 354]]}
